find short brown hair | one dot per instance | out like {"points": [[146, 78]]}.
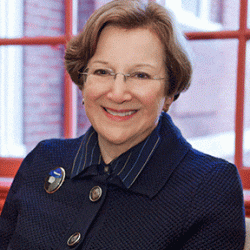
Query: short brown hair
{"points": [[132, 14]]}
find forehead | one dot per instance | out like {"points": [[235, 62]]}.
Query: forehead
{"points": [[129, 45]]}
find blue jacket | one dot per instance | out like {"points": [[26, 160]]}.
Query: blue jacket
{"points": [[183, 199]]}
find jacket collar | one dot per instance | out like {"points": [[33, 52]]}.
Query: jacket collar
{"points": [[168, 149], [126, 167], [166, 158]]}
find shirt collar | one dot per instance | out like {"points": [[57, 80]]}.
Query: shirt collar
{"points": [[127, 166], [88, 153]]}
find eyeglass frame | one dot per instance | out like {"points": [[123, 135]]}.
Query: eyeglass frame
{"points": [[113, 74]]}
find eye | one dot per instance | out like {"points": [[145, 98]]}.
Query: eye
{"points": [[101, 72], [140, 75]]}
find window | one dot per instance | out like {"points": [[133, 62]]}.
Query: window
{"points": [[213, 114], [32, 74], [205, 113], [197, 14], [11, 80]]}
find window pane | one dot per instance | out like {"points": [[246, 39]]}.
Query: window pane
{"points": [[11, 18], [43, 18], [31, 18], [85, 9], [43, 90], [206, 15], [11, 104], [192, 6], [31, 91], [246, 138], [205, 113]]}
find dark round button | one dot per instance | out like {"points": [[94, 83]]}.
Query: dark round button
{"points": [[95, 193], [74, 239], [54, 180]]}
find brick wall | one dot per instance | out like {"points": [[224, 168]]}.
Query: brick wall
{"points": [[85, 9], [43, 72]]}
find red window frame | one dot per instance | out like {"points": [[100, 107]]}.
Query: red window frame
{"points": [[69, 97], [242, 34]]}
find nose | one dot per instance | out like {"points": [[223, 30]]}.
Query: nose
{"points": [[119, 91]]}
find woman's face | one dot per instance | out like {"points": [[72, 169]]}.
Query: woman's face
{"points": [[123, 112]]}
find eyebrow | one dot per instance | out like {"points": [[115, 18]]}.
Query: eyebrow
{"points": [[102, 62], [135, 66]]}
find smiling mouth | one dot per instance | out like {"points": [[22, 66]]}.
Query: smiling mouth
{"points": [[120, 113]]}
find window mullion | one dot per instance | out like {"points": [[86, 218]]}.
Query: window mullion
{"points": [[239, 114], [70, 93]]}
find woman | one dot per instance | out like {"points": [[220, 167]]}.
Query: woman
{"points": [[132, 181]]}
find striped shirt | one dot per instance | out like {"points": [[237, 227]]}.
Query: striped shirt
{"points": [[127, 166]]}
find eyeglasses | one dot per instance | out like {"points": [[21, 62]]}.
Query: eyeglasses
{"points": [[107, 75]]}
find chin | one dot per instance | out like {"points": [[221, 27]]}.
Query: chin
{"points": [[117, 140]]}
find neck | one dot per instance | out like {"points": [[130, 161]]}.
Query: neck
{"points": [[111, 151]]}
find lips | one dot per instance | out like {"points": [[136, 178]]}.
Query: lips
{"points": [[120, 113]]}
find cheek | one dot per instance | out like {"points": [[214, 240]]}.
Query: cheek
{"points": [[92, 92], [153, 98]]}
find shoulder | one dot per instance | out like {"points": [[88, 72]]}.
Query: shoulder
{"points": [[203, 163], [200, 175], [57, 148], [211, 177], [60, 143], [50, 154]]}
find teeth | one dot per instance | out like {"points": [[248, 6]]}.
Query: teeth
{"points": [[120, 113]]}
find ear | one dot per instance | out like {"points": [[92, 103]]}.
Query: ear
{"points": [[167, 103]]}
